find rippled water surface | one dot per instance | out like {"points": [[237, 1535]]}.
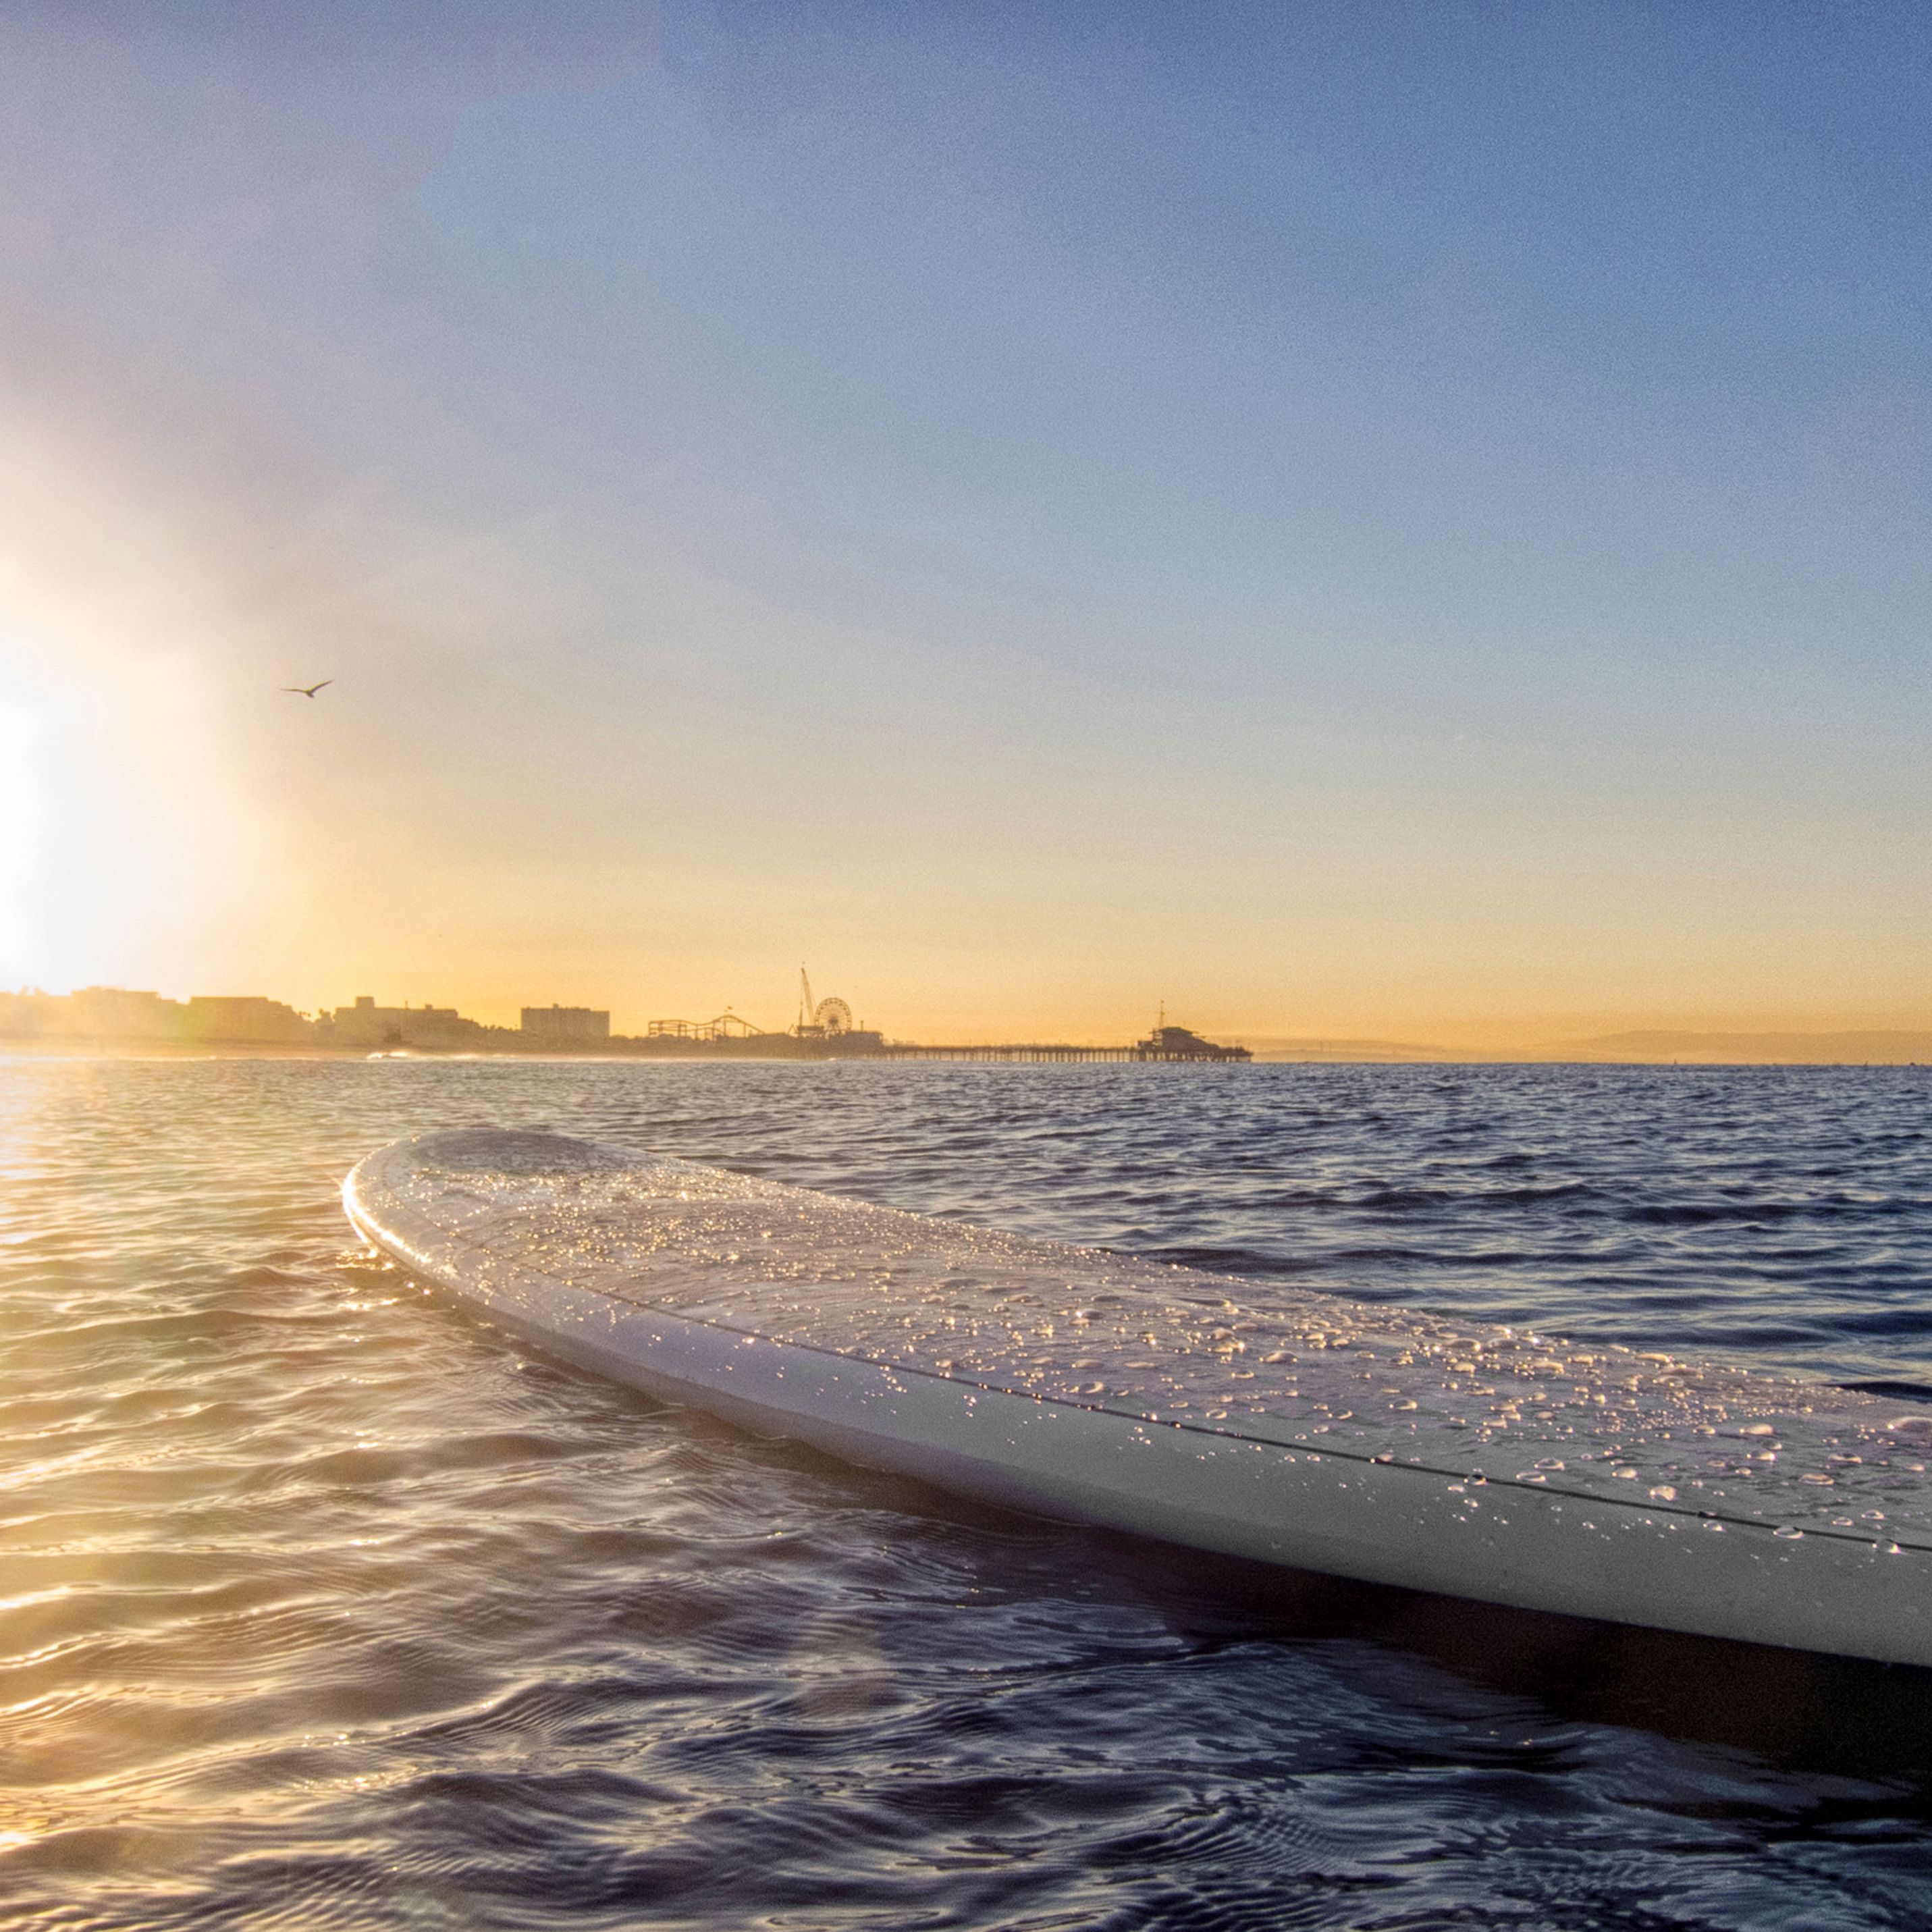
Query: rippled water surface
{"points": [[323, 1604]]}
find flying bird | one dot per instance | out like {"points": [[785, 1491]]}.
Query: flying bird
{"points": [[306, 690]]}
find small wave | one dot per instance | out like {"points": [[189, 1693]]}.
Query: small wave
{"points": [[1904, 1391]]}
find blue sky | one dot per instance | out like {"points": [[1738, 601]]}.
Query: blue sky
{"points": [[1347, 518]]}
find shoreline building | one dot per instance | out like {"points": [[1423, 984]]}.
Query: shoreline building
{"points": [[104, 1014], [248, 1019], [108, 1012], [565, 1026], [366, 1024]]}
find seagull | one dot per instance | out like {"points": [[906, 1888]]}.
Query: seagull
{"points": [[306, 690]]}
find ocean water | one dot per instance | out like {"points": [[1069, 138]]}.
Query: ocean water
{"points": [[322, 1604]]}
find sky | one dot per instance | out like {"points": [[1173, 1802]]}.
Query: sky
{"points": [[1362, 519]]}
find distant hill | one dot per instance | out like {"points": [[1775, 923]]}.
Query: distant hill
{"points": [[1355, 1050], [1811, 1049], [1707, 1049]]}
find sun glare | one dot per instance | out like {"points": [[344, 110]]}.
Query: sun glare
{"points": [[107, 832]]}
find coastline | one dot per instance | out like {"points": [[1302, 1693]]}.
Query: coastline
{"points": [[685, 1053]]}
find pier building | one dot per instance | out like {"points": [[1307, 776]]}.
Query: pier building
{"points": [[1179, 1042]]}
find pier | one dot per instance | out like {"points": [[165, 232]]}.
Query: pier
{"points": [[1165, 1043], [1019, 1051]]}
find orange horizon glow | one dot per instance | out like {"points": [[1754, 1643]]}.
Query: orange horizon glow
{"points": [[135, 858], [142, 863]]}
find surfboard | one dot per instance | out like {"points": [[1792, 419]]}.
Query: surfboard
{"points": [[1273, 1424]]}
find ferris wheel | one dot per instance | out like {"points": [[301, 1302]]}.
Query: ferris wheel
{"points": [[821, 1014], [827, 1016]]}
